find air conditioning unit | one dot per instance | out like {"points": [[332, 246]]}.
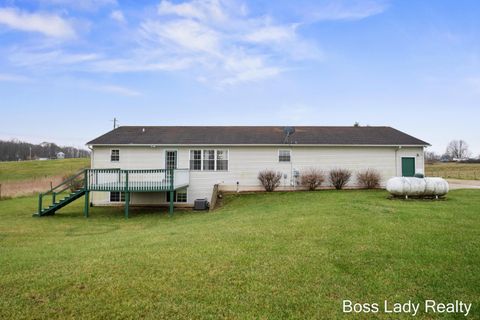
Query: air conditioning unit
{"points": [[201, 204]]}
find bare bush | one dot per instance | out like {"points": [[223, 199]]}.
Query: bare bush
{"points": [[75, 184], [270, 179], [312, 178], [369, 179], [339, 178]]}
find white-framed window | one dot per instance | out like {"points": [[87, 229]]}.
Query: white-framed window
{"points": [[284, 155], [171, 159], [179, 195], [116, 196], [115, 155], [196, 160], [209, 160], [222, 160]]}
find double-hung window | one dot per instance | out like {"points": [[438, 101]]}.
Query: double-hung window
{"points": [[115, 155], [116, 196], [284, 155], [196, 160], [222, 160], [178, 195], [208, 160]]}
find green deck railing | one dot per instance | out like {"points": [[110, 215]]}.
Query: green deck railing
{"points": [[130, 180], [136, 180]]}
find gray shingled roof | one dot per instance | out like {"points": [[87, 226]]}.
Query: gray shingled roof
{"points": [[255, 135]]}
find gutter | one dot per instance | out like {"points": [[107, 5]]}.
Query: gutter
{"points": [[254, 145]]}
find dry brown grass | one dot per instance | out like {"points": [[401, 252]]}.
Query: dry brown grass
{"points": [[464, 171], [12, 189]]}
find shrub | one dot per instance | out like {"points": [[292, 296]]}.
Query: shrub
{"points": [[369, 179], [339, 178], [312, 178], [270, 179]]}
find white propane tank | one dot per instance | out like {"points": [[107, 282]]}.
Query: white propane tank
{"points": [[418, 187]]}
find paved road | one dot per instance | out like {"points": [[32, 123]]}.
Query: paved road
{"points": [[463, 184]]}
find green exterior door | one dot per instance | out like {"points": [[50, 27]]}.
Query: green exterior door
{"points": [[408, 167]]}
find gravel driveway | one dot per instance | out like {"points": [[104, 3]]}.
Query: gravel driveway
{"points": [[463, 184]]}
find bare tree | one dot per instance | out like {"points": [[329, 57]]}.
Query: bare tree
{"points": [[431, 157], [458, 149]]}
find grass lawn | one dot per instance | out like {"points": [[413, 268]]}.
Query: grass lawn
{"points": [[261, 256], [467, 171], [28, 170]]}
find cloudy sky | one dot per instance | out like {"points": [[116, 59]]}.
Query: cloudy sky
{"points": [[68, 67]]}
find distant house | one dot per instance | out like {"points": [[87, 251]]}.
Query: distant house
{"points": [[175, 164], [60, 155]]}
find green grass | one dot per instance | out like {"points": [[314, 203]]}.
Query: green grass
{"points": [[261, 256], [26, 170], [466, 171]]}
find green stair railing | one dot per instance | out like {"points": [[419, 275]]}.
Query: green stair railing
{"points": [[62, 187]]}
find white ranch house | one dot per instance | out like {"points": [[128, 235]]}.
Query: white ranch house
{"points": [[232, 157]]}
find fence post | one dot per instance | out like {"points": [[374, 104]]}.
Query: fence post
{"points": [[40, 204], [170, 211], [127, 195]]}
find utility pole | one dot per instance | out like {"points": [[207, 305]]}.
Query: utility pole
{"points": [[114, 123]]}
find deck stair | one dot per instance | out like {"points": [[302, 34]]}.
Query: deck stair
{"points": [[75, 182]]}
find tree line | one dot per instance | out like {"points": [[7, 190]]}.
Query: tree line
{"points": [[15, 150], [457, 150]]}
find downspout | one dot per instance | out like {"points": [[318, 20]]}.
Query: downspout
{"points": [[396, 160], [91, 156]]}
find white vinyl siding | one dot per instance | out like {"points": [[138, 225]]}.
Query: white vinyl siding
{"points": [[244, 164]]}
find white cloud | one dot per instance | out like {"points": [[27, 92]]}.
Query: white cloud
{"points": [[347, 10], [184, 35], [218, 42], [87, 5], [118, 16], [119, 90], [7, 77], [48, 24], [222, 43], [44, 58], [272, 34], [203, 10], [138, 63]]}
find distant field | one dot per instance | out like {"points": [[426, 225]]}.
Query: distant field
{"points": [[29, 170], [30, 177], [466, 171]]}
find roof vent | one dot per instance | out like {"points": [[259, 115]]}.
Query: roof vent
{"points": [[143, 130]]}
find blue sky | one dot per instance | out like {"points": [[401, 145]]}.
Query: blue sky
{"points": [[68, 67]]}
